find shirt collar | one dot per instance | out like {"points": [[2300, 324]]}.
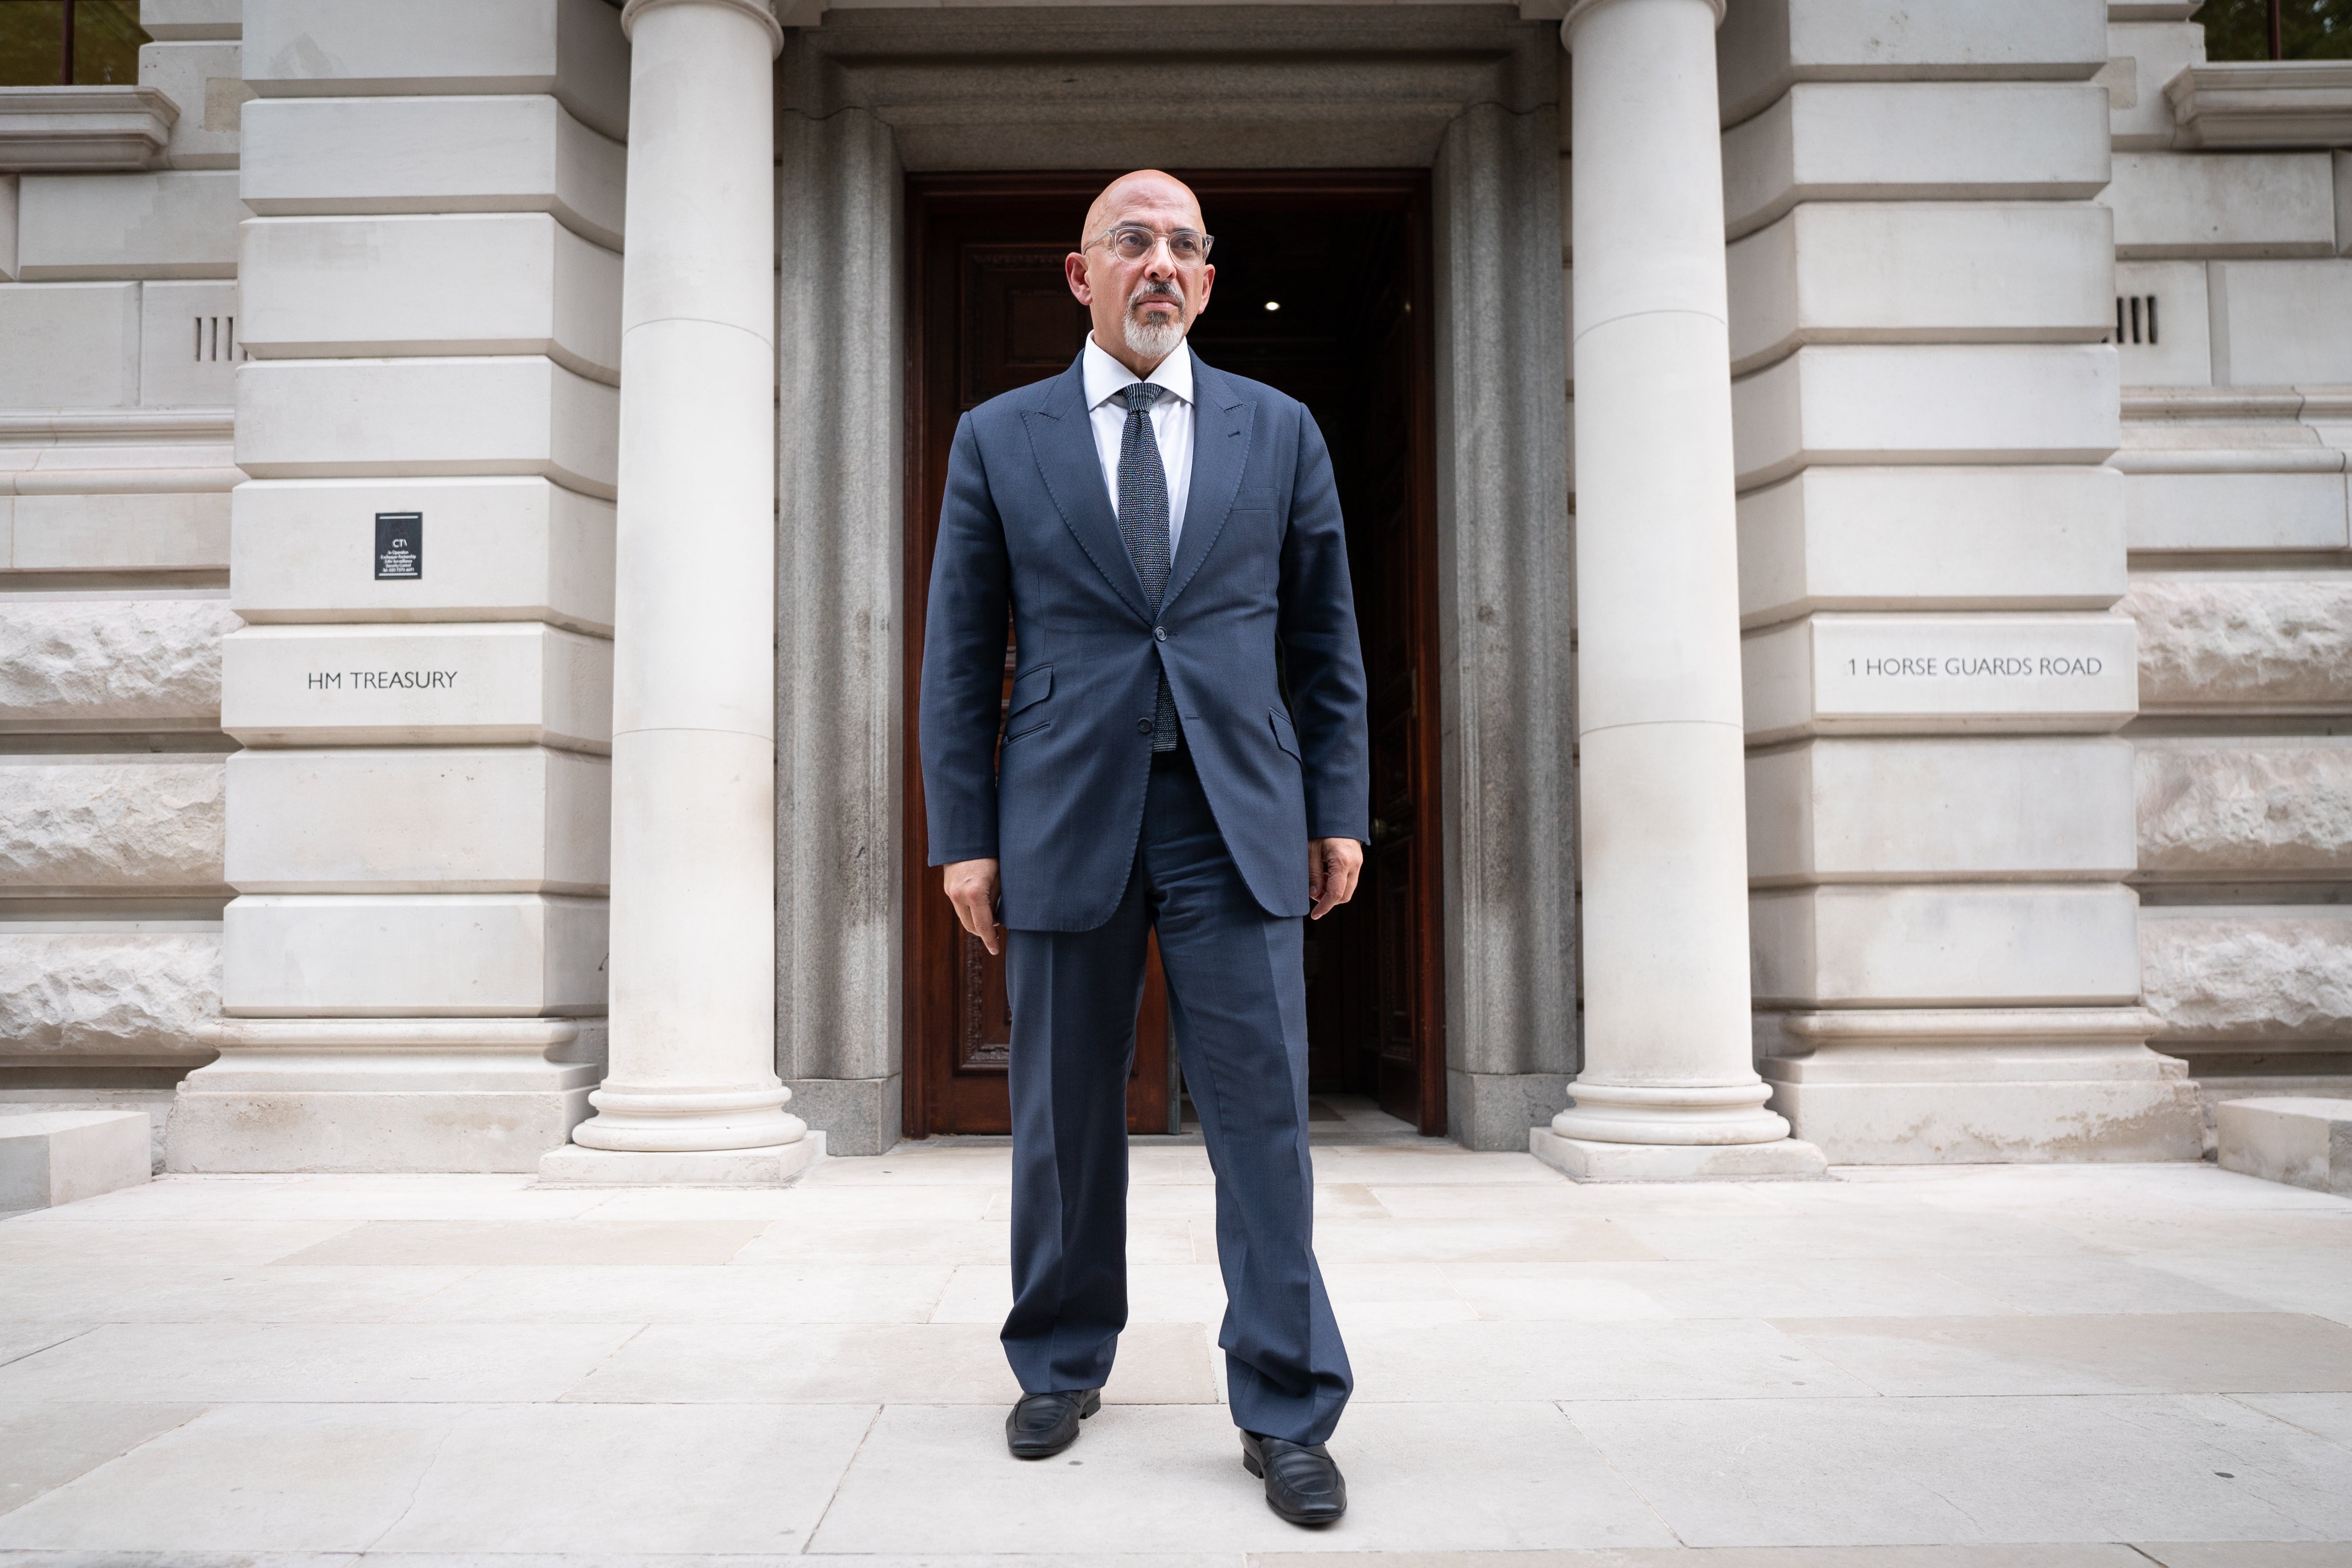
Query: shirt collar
{"points": [[1107, 378]]}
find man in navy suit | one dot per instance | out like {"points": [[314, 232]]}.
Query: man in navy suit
{"points": [[1184, 750]]}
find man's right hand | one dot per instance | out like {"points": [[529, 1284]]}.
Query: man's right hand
{"points": [[971, 889]]}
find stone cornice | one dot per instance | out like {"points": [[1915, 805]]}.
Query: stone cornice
{"points": [[1579, 9], [759, 10], [115, 425], [2264, 103], [82, 130]]}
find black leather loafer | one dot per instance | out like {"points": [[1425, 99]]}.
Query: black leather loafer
{"points": [[1041, 1425], [1302, 1481]]}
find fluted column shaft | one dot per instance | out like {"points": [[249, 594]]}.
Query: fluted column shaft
{"points": [[693, 934], [1661, 785]]}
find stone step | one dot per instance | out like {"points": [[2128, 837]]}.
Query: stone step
{"points": [[53, 1157], [2301, 1140]]}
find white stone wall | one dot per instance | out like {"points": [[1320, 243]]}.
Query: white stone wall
{"points": [[1945, 948], [2237, 424], [2235, 459], [418, 835], [119, 316]]}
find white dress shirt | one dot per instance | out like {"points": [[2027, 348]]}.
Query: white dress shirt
{"points": [[1172, 423]]}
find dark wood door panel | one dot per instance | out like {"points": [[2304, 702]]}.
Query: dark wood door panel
{"points": [[992, 313]]}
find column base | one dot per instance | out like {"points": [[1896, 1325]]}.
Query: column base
{"points": [[859, 1115], [1494, 1109], [778, 1166], [384, 1094], [1717, 1115], [1976, 1086], [1589, 1160]]}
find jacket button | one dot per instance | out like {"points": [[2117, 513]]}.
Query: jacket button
{"points": [[1160, 634], [1143, 726]]}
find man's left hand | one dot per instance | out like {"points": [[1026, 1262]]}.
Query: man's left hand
{"points": [[1332, 867]]}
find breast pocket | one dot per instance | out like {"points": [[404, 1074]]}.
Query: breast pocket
{"points": [[1284, 736], [1022, 715]]}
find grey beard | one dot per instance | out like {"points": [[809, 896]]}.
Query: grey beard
{"points": [[1147, 340]]}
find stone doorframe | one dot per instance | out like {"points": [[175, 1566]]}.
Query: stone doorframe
{"points": [[1471, 93]]}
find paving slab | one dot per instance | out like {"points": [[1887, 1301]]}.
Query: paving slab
{"points": [[446, 1242], [2140, 1353], [624, 1479], [19, 1340], [401, 1362], [106, 1291], [1706, 1358], [43, 1445], [2327, 1415], [1917, 1232], [2247, 1553], [872, 1364], [2104, 1555], [2317, 1280], [202, 1242], [247, 1478], [1507, 1477], [679, 1293], [1952, 1471], [1561, 1240], [1785, 1375]]}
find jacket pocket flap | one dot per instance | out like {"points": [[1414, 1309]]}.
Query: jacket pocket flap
{"points": [[1284, 736], [1031, 688]]}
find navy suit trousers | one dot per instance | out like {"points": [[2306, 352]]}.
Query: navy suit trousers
{"points": [[1237, 1010]]}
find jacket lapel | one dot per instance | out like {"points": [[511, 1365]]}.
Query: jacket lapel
{"points": [[1063, 441], [1223, 420]]}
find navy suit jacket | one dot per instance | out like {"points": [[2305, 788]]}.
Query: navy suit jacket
{"points": [[1027, 528]]}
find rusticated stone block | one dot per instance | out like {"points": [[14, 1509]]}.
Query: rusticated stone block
{"points": [[113, 664], [136, 996], [2244, 974], [2265, 643], [2238, 809], [97, 826]]}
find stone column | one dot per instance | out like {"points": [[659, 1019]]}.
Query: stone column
{"points": [[692, 1094], [1668, 1088]]}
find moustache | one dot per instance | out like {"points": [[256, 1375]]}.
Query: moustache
{"points": [[1156, 292]]}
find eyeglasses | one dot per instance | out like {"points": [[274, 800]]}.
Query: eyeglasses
{"points": [[1133, 242]]}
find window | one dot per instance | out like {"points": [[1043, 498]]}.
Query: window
{"points": [[69, 43], [2277, 29]]}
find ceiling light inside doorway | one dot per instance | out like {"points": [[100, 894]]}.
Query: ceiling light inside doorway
{"points": [[1274, 304]]}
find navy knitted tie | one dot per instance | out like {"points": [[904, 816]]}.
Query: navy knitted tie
{"points": [[1143, 523]]}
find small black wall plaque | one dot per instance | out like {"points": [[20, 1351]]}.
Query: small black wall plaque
{"points": [[399, 545]]}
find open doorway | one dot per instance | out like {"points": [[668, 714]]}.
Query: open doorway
{"points": [[1322, 291]]}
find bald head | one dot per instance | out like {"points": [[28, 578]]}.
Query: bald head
{"points": [[1142, 302], [1149, 196]]}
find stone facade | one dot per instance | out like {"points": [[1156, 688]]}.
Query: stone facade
{"points": [[2032, 678], [2234, 461]]}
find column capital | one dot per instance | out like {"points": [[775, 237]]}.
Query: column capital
{"points": [[759, 10], [1576, 10]]}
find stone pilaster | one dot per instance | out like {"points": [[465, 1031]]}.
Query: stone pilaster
{"points": [[414, 968], [1939, 816]]}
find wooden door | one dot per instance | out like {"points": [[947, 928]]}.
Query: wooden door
{"points": [[1322, 291], [992, 312]]}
